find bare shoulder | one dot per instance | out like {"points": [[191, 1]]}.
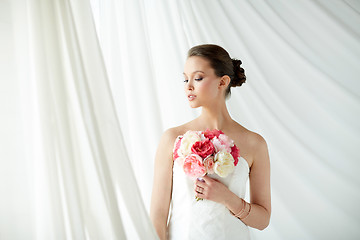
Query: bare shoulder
{"points": [[252, 144], [259, 149], [169, 135], [172, 133], [257, 141]]}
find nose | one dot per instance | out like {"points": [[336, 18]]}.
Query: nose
{"points": [[190, 85]]}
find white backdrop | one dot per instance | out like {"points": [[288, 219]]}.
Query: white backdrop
{"points": [[301, 59]]}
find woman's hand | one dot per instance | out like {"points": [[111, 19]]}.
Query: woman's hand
{"points": [[211, 189]]}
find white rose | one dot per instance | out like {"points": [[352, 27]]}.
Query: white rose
{"points": [[189, 138], [202, 137], [224, 164]]}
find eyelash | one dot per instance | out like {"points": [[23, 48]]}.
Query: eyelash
{"points": [[196, 79]]}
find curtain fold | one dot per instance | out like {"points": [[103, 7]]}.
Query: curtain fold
{"points": [[88, 88], [301, 94], [84, 185]]}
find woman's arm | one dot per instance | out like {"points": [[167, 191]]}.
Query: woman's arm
{"points": [[260, 197], [162, 184]]}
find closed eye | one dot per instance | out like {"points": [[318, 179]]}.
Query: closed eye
{"points": [[196, 79]]}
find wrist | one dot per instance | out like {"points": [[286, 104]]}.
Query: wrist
{"points": [[230, 200]]}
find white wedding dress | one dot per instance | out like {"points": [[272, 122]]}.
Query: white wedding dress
{"points": [[203, 220]]}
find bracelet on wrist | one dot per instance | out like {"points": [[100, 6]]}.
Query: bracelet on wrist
{"points": [[248, 213], [244, 212]]}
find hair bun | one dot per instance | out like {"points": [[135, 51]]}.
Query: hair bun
{"points": [[239, 74]]}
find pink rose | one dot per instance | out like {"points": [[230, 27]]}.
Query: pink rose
{"points": [[193, 166], [209, 164], [180, 161], [235, 152], [203, 148], [210, 134], [176, 148], [222, 143]]}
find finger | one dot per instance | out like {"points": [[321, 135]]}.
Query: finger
{"points": [[201, 184], [197, 184], [199, 195], [200, 179], [199, 189], [207, 179]]}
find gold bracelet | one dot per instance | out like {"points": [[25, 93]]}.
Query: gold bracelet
{"points": [[248, 213], [244, 212], [242, 209]]}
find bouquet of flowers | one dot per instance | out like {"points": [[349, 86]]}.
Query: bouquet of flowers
{"points": [[206, 152]]}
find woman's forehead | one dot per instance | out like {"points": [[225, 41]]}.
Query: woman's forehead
{"points": [[196, 64]]}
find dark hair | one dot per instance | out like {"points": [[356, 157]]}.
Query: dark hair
{"points": [[221, 62]]}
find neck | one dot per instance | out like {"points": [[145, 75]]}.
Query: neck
{"points": [[215, 116]]}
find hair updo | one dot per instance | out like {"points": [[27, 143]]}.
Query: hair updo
{"points": [[221, 62]]}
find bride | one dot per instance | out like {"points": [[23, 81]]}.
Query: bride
{"points": [[209, 74]]}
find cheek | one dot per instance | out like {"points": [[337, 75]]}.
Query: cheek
{"points": [[209, 88]]}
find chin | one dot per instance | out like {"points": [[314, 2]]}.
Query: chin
{"points": [[194, 105]]}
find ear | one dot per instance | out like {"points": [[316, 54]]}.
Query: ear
{"points": [[224, 81]]}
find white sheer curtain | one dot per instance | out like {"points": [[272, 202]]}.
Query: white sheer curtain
{"points": [[73, 113], [302, 94], [79, 182]]}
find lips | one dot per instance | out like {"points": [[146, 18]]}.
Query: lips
{"points": [[191, 97]]}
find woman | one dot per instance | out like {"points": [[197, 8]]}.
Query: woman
{"points": [[209, 74]]}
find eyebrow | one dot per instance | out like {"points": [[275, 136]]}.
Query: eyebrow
{"points": [[195, 72]]}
